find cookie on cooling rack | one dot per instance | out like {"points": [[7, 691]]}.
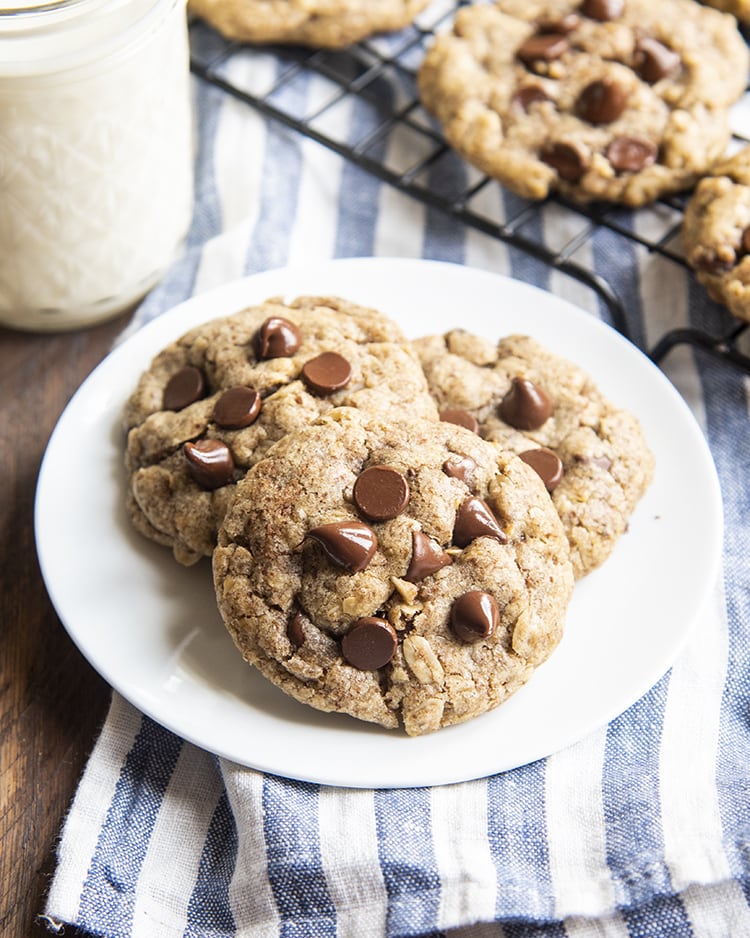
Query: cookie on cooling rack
{"points": [[613, 100], [214, 402], [716, 233], [404, 572], [323, 24], [592, 455]]}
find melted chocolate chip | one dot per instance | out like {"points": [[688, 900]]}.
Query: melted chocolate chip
{"points": [[210, 463], [185, 387], [327, 373], [544, 47], [745, 241], [560, 24], [602, 101], [474, 519], [602, 10], [277, 338], [295, 629], [348, 544], [547, 465], [236, 408], [381, 493], [528, 95], [460, 467], [369, 644], [631, 154], [569, 160], [653, 60], [526, 406], [474, 616], [461, 418], [427, 557]]}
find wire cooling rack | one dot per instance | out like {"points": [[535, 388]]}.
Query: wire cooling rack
{"points": [[380, 76]]}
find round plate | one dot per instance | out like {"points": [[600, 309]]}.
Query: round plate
{"points": [[151, 628]]}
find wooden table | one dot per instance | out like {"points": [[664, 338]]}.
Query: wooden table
{"points": [[51, 701]]}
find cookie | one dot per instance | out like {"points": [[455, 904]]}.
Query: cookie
{"points": [[612, 100], [716, 233], [405, 572], [324, 24], [591, 454], [213, 402]]}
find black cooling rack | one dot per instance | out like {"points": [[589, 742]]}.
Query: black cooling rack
{"points": [[379, 75]]}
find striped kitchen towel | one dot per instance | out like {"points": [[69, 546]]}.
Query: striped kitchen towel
{"points": [[640, 829]]}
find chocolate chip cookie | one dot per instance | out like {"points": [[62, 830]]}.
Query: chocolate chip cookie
{"points": [[592, 455], [613, 100], [324, 24], [716, 233], [213, 402], [405, 572]]}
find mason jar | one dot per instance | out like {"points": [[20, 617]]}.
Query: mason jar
{"points": [[96, 162]]}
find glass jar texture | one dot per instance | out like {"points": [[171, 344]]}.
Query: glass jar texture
{"points": [[96, 187]]}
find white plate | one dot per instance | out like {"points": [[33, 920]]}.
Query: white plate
{"points": [[151, 628]]}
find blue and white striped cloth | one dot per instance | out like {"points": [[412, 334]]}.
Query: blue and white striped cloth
{"points": [[641, 829]]}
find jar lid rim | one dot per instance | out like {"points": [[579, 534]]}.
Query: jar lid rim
{"points": [[32, 7], [55, 35], [33, 15]]}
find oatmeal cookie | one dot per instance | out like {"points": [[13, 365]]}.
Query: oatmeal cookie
{"points": [[716, 233], [613, 100], [405, 572], [213, 402], [591, 454], [324, 24]]}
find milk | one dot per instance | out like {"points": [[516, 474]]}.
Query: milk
{"points": [[95, 156]]}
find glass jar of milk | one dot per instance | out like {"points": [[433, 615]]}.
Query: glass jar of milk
{"points": [[96, 159]]}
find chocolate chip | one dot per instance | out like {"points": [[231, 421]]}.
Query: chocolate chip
{"points": [[295, 629], [369, 644], [184, 387], [277, 338], [427, 557], [560, 24], [602, 101], [528, 95], [460, 467], [569, 160], [474, 616], [474, 519], [653, 60], [631, 154], [526, 406], [381, 493], [236, 408], [602, 10], [326, 373], [545, 47], [547, 465], [461, 418], [745, 241], [210, 463], [349, 544]]}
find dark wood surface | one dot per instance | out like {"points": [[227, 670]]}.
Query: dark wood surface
{"points": [[52, 703]]}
